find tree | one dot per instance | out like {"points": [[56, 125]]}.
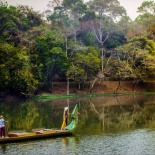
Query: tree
{"points": [[50, 55], [103, 23], [147, 13], [118, 70], [61, 21], [16, 74], [147, 7], [84, 65], [139, 54], [32, 18], [15, 21], [129, 29], [74, 8]]}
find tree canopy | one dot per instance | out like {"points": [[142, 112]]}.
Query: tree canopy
{"points": [[80, 42]]}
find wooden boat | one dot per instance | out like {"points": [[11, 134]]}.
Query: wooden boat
{"points": [[45, 133], [16, 136]]}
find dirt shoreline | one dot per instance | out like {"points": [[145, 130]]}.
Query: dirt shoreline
{"points": [[100, 88], [105, 87]]}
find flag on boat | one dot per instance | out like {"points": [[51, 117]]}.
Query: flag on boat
{"points": [[74, 117]]}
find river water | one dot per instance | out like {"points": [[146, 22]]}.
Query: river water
{"points": [[122, 125]]}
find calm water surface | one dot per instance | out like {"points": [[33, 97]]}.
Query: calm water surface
{"points": [[123, 125]]}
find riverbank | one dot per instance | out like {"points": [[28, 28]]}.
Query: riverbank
{"points": [[99, 88]]}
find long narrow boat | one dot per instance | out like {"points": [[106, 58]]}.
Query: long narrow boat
{"points": [[16, 136], [45, 133]]}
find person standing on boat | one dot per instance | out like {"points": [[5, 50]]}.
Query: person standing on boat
{"points": [[65, 115], [2, 126]]}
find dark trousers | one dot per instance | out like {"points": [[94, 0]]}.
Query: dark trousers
{"points": [[2, 132]]}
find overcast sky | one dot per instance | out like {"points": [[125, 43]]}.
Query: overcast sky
{"points": [[41, 5]]}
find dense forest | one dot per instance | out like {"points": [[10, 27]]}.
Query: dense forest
{"points": [[78, 42]]}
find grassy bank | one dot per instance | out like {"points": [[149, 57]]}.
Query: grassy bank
{"points": [[60, 96]]}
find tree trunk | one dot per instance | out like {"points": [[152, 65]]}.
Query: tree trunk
{"points": [[119, 83], [79, 86], [102, 52], [92, 85], [135, 82], [75, 37], [67, 86], [118, 103], [66, 46]]}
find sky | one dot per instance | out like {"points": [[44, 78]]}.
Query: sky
{"points": [[41, 5]]}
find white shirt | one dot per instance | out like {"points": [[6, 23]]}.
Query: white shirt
{"points": [[2, 122]]}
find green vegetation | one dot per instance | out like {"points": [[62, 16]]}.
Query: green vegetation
{"points": [[81, 44], [48, 97]]}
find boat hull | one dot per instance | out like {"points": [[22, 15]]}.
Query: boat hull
{"points": [[58, 133]]}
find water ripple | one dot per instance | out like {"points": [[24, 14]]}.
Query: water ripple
{"points": [[138, 142]]}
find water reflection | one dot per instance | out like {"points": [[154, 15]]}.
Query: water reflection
{"points": [[117, 114], [3, 148], [69, 142], [107, 125], [98, 114]]}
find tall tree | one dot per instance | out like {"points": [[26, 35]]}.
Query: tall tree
{"points": [[103, 23], [147, 13]]}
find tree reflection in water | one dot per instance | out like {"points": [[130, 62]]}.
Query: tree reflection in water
{"points": [[98, 114], [116, 113]]}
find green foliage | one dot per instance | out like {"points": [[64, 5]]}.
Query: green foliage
{"points": [[71, 3], [33, 52], [118, 70], [89, 39], [151, 32], [59, 17], [15, 69], [23, 83], [89, 15], [139, 53], [147, 7], [144, 43], [85, 64], [109, 7], [147, 12], [6, 60], [33, 18], [49, 54], [27, 114], [116, 39]]}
